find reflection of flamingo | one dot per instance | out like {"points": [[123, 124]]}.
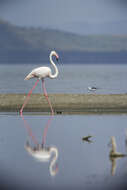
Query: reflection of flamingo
{"points": [[46, 130], [29, 130], [126, 139], [43, 155], [41, 73], [40, 152]]}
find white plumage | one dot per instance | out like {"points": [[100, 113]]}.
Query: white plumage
{"points": [[42, 72], [43, 155]]}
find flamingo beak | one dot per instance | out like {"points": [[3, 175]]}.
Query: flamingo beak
{"points": [[57, 57]]}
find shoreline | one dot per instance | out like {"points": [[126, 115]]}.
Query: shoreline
{"points": [[66, 103]]}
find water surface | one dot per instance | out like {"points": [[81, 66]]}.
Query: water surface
{"points": [[72, 78], [79, 164]]}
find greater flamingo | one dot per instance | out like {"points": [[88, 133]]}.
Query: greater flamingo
{"points": [[40, 73]]}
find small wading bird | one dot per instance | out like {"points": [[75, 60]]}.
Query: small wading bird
{"points": [[40, 73], [92, 88]]}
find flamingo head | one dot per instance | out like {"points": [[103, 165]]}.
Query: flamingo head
{"points": [[55, 54]]}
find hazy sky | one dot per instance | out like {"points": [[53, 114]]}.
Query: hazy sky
{"points": [[60, 13]]}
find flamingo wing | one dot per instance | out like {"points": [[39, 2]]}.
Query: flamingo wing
{"points": [[40, 72]]}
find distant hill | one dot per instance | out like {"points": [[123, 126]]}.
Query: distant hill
{"points": [[9, 38], [98, 28], [29, 44]]}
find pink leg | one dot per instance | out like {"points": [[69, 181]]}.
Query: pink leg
{"points": [[28, 96], [46, 130], [29, 131], [46, 95], [52, 114]]}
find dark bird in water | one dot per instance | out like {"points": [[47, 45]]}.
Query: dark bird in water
{"points": [[87, 139]]}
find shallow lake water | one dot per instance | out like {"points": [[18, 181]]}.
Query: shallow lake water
{"points": [[107, 78], [78, 163]]}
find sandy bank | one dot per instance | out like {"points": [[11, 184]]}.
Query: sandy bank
{"points": [[66, 103]]}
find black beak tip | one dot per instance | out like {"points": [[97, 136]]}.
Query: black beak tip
{"points": [[57, 59]]}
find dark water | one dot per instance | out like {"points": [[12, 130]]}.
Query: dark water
{"points": [[72, 78], [78, 164]]}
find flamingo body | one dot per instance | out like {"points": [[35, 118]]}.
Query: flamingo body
{"points": [[40, 72]]}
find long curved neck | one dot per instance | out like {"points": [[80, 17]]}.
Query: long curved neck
{"points": [[52, 164], [56, 70]]}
